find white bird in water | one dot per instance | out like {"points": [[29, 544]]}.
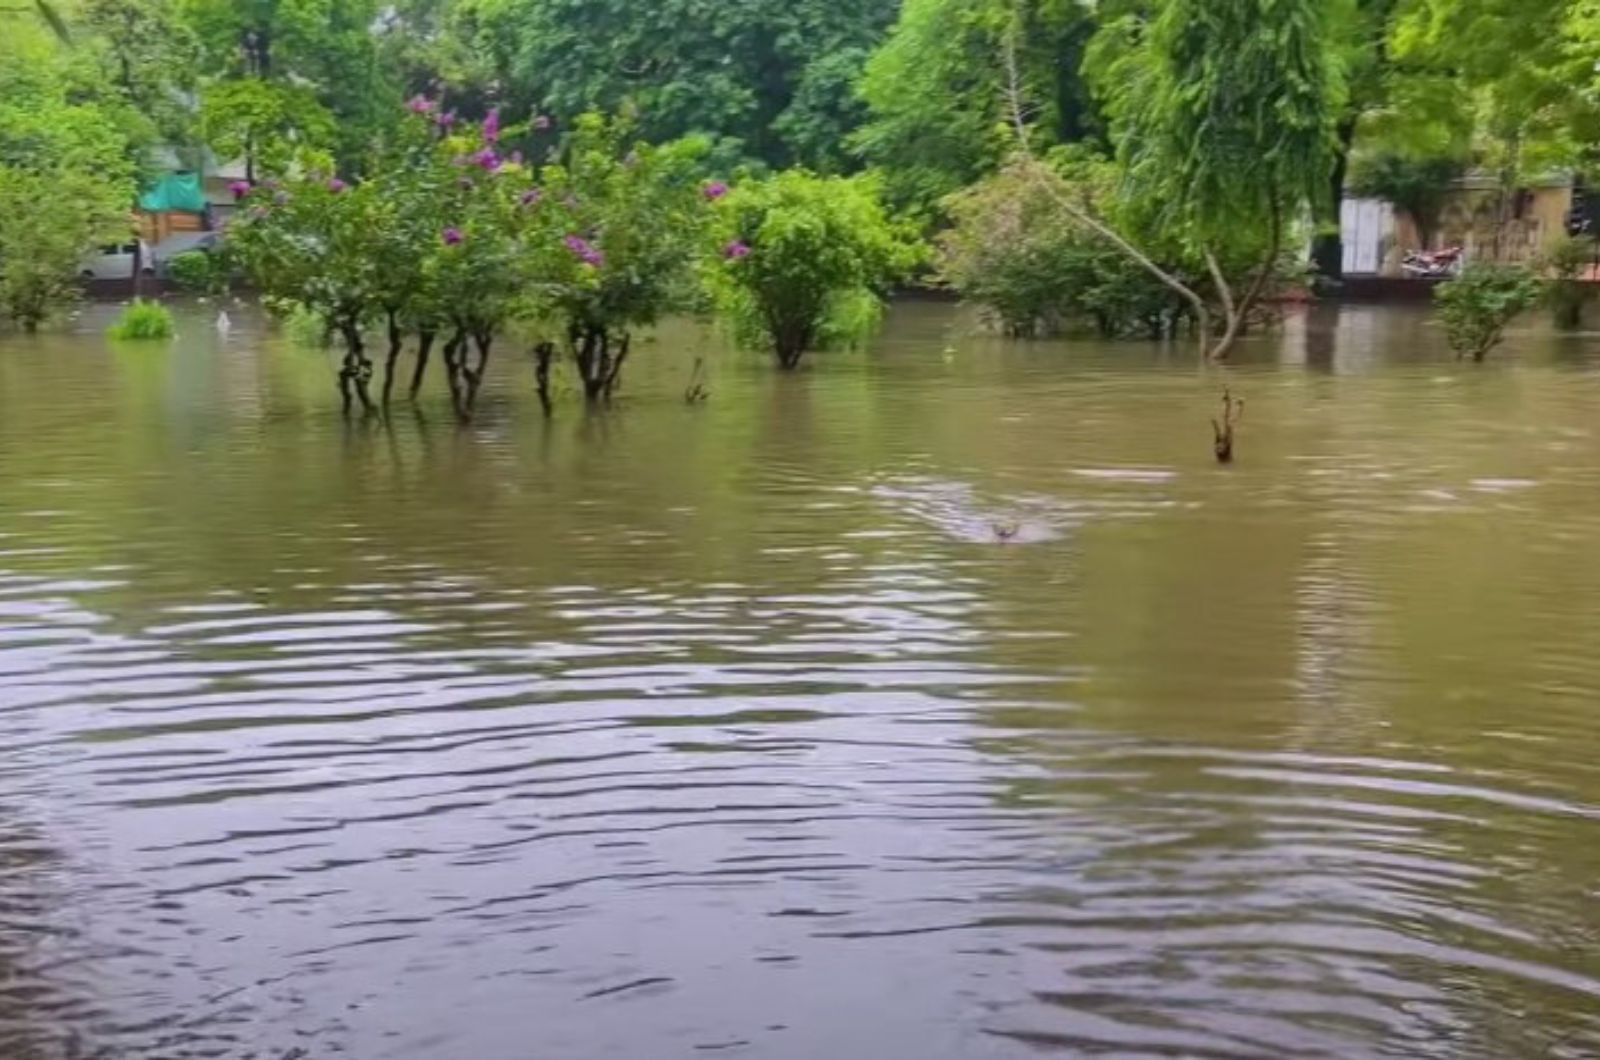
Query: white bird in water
{"points": [[224, 325]]}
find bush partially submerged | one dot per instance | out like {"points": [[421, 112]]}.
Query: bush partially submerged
{"points": [[1477, 305], [142, 321], [801, 261], [1014, 252], [1568, 293]]}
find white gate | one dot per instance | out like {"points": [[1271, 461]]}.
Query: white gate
{"points": [[1367, 227]]}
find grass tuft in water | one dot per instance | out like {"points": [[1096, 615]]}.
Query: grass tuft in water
{"points": [[142, 321]]}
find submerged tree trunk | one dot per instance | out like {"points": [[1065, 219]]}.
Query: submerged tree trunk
{"points": [[454, 371], [599, 361], [356, 372], [473, 375], [425, 339], [396, 344], [1236, 314], [543, 355]]}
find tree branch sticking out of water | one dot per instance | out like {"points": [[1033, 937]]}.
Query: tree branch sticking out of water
{"points": [[1232, 413]]}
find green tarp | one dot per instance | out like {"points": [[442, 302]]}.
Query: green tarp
{"points": [[174, 193]]}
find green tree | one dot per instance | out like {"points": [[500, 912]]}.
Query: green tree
{"points": [[804, 260], [1418, 186], [1477, 306], [1036, 270], [1523, 69], [263, 122], [149, 56], [48, 221], [302, 68], [631, 218], [68, 172], [1223, 113], [767, 76], [935, 93]]}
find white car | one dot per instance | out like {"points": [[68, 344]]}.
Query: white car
{"points": [[117, 262]]}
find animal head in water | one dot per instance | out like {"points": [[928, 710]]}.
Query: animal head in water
{"points": [[1007, 531]]}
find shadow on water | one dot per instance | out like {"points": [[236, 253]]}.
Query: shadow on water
{"points": [[740, 728]]}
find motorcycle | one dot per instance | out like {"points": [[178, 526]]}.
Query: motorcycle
{"points": [[1432, 265]]}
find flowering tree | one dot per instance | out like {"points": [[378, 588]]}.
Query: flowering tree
{"points": [[804, 260], [314, 242], [631, 220], [439, 240]]}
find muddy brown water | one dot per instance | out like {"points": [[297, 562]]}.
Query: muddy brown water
{"points": [[733, 730]]}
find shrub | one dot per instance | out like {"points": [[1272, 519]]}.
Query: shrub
{"points": [[200, 272], [1014, 252], [48, 222], [1567, 294], [627, 219], [1477, 305], [142, 321], [801, 260]]}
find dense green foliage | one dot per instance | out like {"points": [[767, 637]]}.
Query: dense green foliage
{"points": [[771, 80], [142, 321], [201, 272], [801, 261], [1567, 288], [935, 90], [1477, 306], [1035, 271]]}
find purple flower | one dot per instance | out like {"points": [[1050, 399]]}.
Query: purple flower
{"points": [[337, 186], [736, 250], [715, 190], [541, 122], [585, 251], [452, 237], [240, 189], [491, 127], [516, 158], [531, 196], [421, 105], [447, 119], [487, 159]]}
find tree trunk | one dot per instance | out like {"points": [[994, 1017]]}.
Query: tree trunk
{"points": [[453, 350], [425, 340], [1080, 214], [1327, 251], [1237, 314], [597, 367], [474, 375], [396, 344], [356, 371], [543, 354]]}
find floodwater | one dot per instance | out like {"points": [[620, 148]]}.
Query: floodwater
{"points": [[735, 730]]}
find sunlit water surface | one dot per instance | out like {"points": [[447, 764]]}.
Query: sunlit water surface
{"points": [[735, 729]]}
